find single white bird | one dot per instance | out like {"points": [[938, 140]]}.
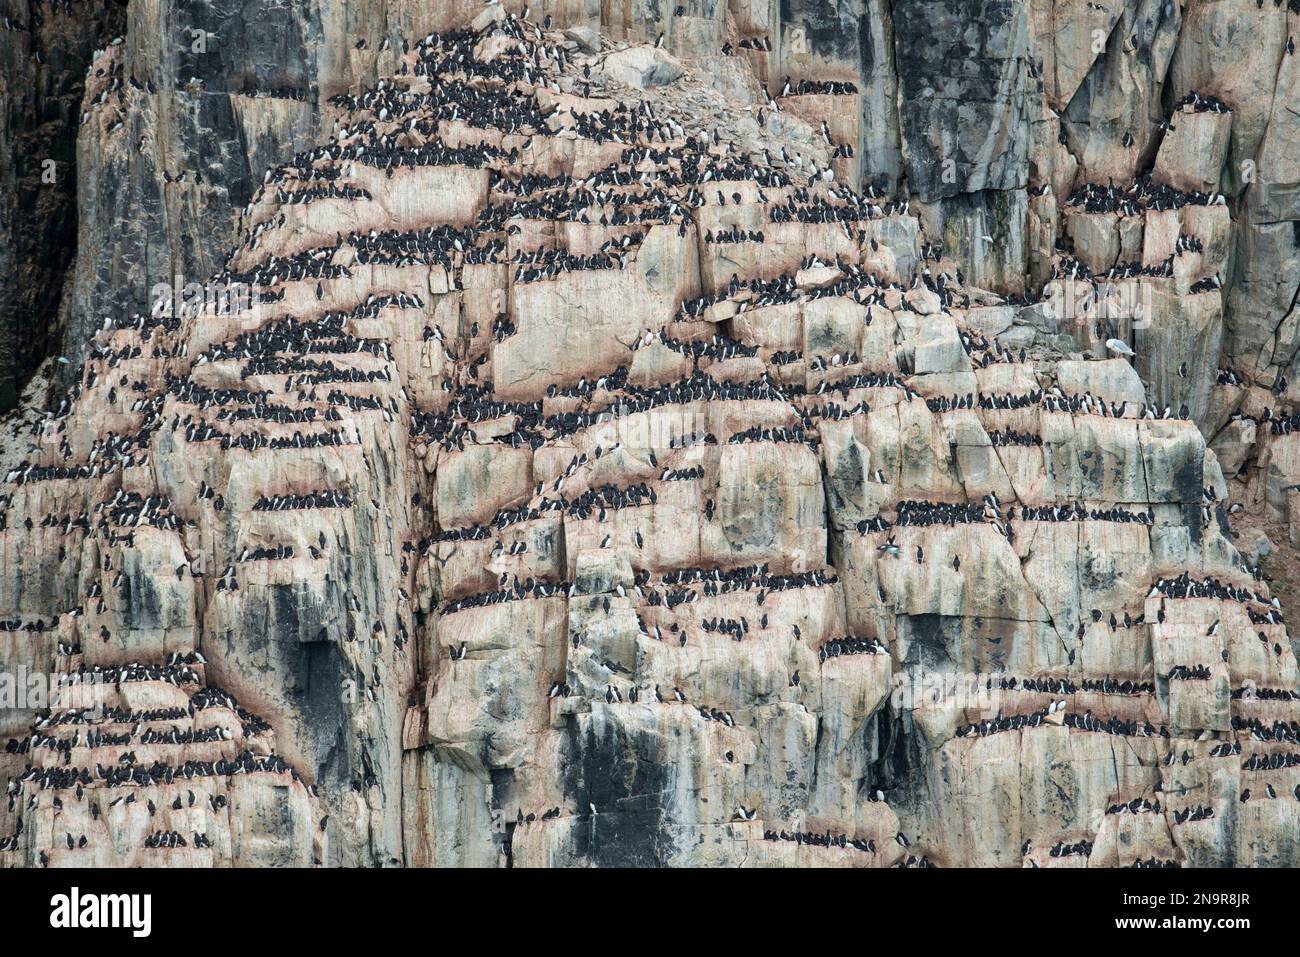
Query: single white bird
{"points": [[1119, 347]]}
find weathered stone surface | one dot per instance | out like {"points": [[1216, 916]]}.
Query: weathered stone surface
{"points": [[45, 52], [678, 440], [1192, 153]]}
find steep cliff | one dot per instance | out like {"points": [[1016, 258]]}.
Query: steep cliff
{"points": [[721, 449], [45, 52]]}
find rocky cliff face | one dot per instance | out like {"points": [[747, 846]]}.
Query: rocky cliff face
{"points": [[667, 435], [45, 52]]}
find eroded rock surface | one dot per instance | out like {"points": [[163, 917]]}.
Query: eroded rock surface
{"points": [[599, 476]]}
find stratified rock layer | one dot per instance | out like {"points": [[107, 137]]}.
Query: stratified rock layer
{"points": [[598, 478]]}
